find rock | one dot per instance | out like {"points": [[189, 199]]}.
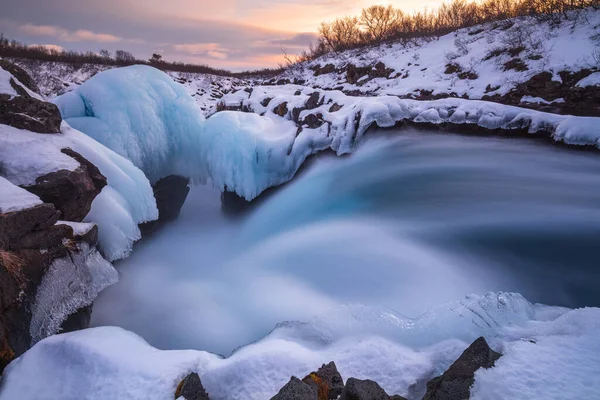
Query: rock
{"points": [[357, 389], [71, 192], [15, 225], [190, 388], [312, 121], [354, 73], [20, 74], [456, 382], [327, 69], [170, 194], [335, 107], [397, 397], [24, 112], [295, 389], [327, 381], [313, 101], [281, 109]]}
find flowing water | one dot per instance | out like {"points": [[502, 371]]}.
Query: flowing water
{"points": [[413, 219]]}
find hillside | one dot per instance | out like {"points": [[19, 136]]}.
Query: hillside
{"points": [[522, 61]]}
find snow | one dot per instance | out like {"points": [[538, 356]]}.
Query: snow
{"points": [[420, 64], [127, 201], [539, 100], [399, 353], [591, 80], [14, 198], [5, 86], [71, 283], [141, 114], [79, 228]]}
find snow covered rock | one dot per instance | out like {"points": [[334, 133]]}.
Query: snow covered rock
{"points": [[456, 382], [295, 389], [71, 192], [21, 106]]}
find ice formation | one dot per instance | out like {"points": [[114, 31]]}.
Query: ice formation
{"points": [[140, 113], [127, 201], [369, 343], [70, 284]]}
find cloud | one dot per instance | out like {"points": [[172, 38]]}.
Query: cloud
{"points": [[49, 46], [80, 35], [216, 54], [196, 48]]}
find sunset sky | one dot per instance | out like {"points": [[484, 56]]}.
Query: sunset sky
{"points": [[232, 34]]}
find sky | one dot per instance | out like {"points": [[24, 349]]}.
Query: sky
{"points": [[231, 34]]}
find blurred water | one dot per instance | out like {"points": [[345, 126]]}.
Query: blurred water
{"points": [[409, 221]]}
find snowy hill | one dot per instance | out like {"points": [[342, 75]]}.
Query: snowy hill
{"points": [[520, 61], [54, 79]]}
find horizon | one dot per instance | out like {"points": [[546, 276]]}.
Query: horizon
{"points": [[237, 36]]}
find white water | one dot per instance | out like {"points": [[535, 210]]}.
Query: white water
{"points": [[408, 222]]}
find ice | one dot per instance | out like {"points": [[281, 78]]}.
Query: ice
{"points": [[14, 198], [140, 113], [127, 201], [71, 283], [399, 353]]}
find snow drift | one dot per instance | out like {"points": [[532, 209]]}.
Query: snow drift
{"points": [[399, 353]]}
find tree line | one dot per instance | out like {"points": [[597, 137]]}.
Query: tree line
{"points": [[14, 49], [377, 23]]}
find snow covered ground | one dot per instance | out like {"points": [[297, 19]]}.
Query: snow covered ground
{"points": [[15, 198], [489, 59], [399, 353]]}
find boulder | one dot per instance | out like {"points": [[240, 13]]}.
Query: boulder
{"points": [[190, 388], [456, 382], [25, 112], [327, 382], [71, 192], [357, 389], [170, 194], [296, 389]]}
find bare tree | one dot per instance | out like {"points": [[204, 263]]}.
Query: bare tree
{"points": [[380, 22]]}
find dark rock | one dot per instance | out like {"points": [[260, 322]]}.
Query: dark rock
{"points": [[327, 69], [15, 225], [265, 102], [281, 109], [190, 388], [397, 397], [335, 107], [44, 239], [20, 74], [517, 64], [295, 389], [170, 194], [71, 192], [456, 382], [313, 101], [78, 320], [24, 112], [313, 121], [357, 389], [327, 382], [354, 73]]}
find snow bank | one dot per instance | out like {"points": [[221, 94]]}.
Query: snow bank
{"points": [[140, 113], [14, 198], [399, 353], [483, 51], [127, 201], [590, 80]]}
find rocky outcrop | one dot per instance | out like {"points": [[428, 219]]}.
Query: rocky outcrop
{"points": [[34, 244], [71, 192], [25, 111], [327, 382], [296, 389], [30, 240], [456, 382], [170, 193], [357, 389], [190, 388]]}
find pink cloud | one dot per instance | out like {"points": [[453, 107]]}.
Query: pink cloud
{"points": [[80, 35], [216, 54]]}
